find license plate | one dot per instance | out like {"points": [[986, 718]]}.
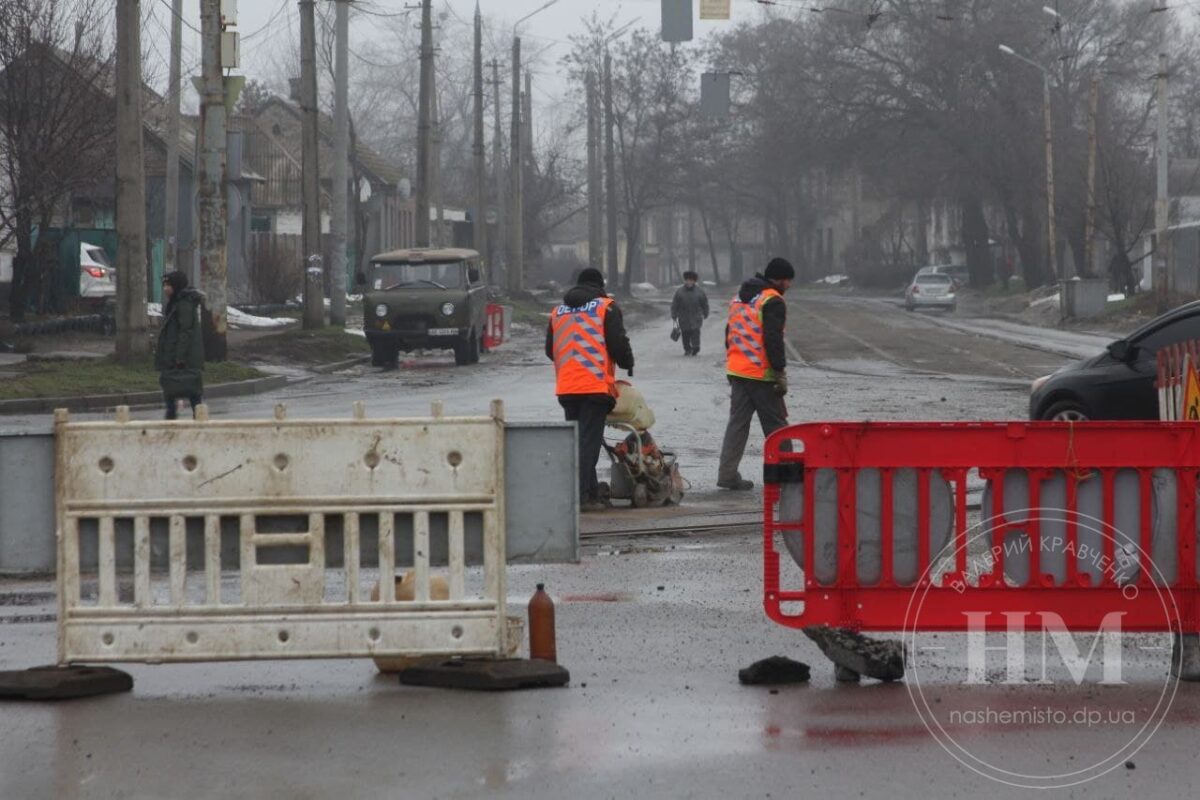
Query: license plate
{"points": [[442, 331]]}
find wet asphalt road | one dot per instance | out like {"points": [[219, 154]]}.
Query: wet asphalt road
{"points": [[653, 631]]}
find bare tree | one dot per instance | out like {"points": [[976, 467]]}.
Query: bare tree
{"points": [[57, 125]]}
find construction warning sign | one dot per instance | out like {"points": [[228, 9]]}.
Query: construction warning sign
{"points": [[1191, 396]]}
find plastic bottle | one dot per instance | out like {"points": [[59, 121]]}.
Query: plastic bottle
{"points": [[541, 625], [183, 408]]}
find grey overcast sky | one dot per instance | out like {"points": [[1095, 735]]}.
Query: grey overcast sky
{"points": [[269, 26]]}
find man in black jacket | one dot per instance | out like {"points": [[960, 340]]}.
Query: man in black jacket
{"points": [[757, 364], [585, 376]]}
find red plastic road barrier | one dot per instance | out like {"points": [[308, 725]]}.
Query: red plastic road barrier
{"points": [[494, 332], [1086, 503]]}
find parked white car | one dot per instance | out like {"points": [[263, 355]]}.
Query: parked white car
{"points": [[931, 290], [97, 278]]}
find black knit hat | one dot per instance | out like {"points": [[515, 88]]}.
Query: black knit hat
{"points": [[690, 276], [591, 277], [176, 280], [779, 269]]}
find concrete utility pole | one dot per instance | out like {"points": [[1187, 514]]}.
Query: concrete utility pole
{"points": [[526, 143], [435, 175], [171, 201], [132, 343], [595, 231], [516, 244], [498, 165], [314, 280], [340, 172], [610, 169], [424, 132], [479, 221], [1051, 226], [1162, 206], [1089, 220], [212, 204]]}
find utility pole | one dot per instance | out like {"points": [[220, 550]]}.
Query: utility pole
{"points": [[212, 207], [1089, 220], [424, 107], [314, 282], [435, 174], [610, 168], [479, 221], [132, 343], [526, 143], [516, 244], [595, 233], [171, 201], [1051, 227], [498, 165], [340, 172], [1162, 202]]}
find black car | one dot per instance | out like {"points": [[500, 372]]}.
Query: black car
{"points": [[1118, 383]]}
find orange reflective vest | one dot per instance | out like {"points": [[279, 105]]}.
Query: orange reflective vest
{"points": [[581, 361], [746, 350]]}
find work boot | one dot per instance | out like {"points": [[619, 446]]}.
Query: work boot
{"points": [[592, 504], [737, 485]]}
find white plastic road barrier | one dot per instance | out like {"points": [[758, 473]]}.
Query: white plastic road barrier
{"points": [[137, 490]]}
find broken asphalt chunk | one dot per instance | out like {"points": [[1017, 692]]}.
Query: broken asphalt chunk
{"points": [[881, 659], [62, 683], [774, 671]]}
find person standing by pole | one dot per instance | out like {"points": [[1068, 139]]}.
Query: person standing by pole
{"points": [[689, 309], [586, 340], [179, 357], [756, 364]]}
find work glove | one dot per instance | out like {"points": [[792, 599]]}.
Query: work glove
{"points": [[781, 387]]}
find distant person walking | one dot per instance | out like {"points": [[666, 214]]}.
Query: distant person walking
{"points": [[179, 357], [689, 309], [756, 364], [586, 340]]}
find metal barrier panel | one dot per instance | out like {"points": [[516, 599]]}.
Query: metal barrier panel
{"points": [[277, 486], [1069, 517]]}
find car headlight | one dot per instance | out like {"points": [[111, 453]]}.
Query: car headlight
{"points": [[448, 309], [1038, 383], [381, 310]]}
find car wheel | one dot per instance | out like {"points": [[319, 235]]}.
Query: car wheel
{"points": [[379, 354], [462, 352], [1066, 411]]}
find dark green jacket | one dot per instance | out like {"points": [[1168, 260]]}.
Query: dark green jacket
{"points": [[179, 339]]}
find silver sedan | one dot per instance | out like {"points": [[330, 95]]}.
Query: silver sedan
{"points": [[930, 291]]}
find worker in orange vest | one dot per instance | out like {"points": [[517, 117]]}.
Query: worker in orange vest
{"points": [[756, 365], [586, 340]]}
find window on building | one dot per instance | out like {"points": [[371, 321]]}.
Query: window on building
{"points": [[260, 224]]}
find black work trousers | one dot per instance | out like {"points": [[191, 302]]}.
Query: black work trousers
{"points": [[588, 412], [691, 341]]}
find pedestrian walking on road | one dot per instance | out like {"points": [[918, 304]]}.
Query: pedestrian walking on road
{"points": [[689, 309], [179, 357], [756, 365], [586, 340]]}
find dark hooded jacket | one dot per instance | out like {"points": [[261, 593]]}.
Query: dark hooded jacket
{"points": [[615, 338], [774, 314], [180, 344]]}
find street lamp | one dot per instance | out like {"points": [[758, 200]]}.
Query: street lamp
{"points": [[1051, 226]]}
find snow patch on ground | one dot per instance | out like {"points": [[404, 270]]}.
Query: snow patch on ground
{"points": [[239, 320]]}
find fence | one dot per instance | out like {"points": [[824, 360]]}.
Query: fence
{"points": [[1072, 518], [277, 486]]}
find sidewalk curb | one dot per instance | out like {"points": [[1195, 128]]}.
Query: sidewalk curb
{"points": [[104, 402], [337, 366]]}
